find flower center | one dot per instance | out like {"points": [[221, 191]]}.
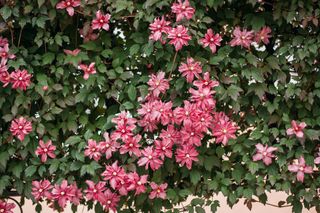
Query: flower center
{"points": [[123, 131], [301, 168], [1, 210], [131, 145], [68, 3], [157, 83], [109, 201], [139, 183], [206, 83], [62, 193], [192, 134], [107, 145], [45, 149], [187, 155], [148, 110], [296, 129], [183, 7], [211, 39], [158, 26], [243, 37], [202, 119], [20, 78], [158, 190], [101, 21], [191, 68], [163, 148], [179, 35], [201, 95], [114, 173], [94, 190], [40, 190], [150, 156], [264, 153], [161, 110], [262, 37], [20, 127], [4, 54], [187, 113], [224, 131], [93, 149]]}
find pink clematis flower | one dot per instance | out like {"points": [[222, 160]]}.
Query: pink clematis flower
{"points": [[69, 5], [137, 183], [4, 76], [123, 131], [212, 40], [264, 153], [190, 135], [179, 37], [263, 35], [4, 52], [242, 38], [182, 10], [296, 129], [170, 134], [20, 127], [88, 70], [95, 191], [101, 21], [45, 150], [75, 194], [300, 168], [158, 27], [186, 155], [150, 158], [20, 79], [158, 191], [108, 146], [111, 201], [186, 114], [164, 148], [205, 82], [162, 112], [203, 97], [92, 150], [158, 84], [131, 145], [124, 118], [223, 131], [190, 69], [74, 52], [3, 41], [114, 174], [41, 189], [6, 207], [62, 193]]}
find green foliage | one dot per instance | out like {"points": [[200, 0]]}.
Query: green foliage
{"points": [[263, 89]]}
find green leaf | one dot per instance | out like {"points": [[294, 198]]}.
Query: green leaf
{"points": [[5, 12], [41, 2], [132, 92], [30, 170], [200, 209], [4, 157], [48, 58], [195, 176], [4, 182], [234, 92]]}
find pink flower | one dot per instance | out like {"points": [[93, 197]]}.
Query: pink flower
{"points": [[101, 21], [20, 79], [45, 150], [147, 110], [5, 54], [122, 186], [300, 168], [205, 82], [190, 69], [158, 84], [41, 189], [137, 183], [296, 129], [88, 70], [203, 122], [4, 75], [124, 118], [150, 158], [179, 37], [88, 35], [122, 131], [111, 200], [62, 193], [114, 174], [108, 146], [158, 191], [20, 127], [190, 135], [242, 38], [3, 41], [223, 131], [186, 155], [74, 52], [264, 153], [164, 148], [163, 112], [182, 10], [6, 207], [203, 97], [170, 134], [131, 145], [68, 5], [187, 114], [92, 150], [263, 35], [212, 40], [95, 191], [75, 194], [158, 27]]}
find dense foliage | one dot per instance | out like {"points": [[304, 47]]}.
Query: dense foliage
{"points": [[68, 68]]}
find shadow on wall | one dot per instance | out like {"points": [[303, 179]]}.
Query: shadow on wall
{"points": [[273, 198]]}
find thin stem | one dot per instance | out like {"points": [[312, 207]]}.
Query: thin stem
{"points": [[20, 34], [20, 207], [78, 11], [174, 61], [274, 205], [11, 32]]}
